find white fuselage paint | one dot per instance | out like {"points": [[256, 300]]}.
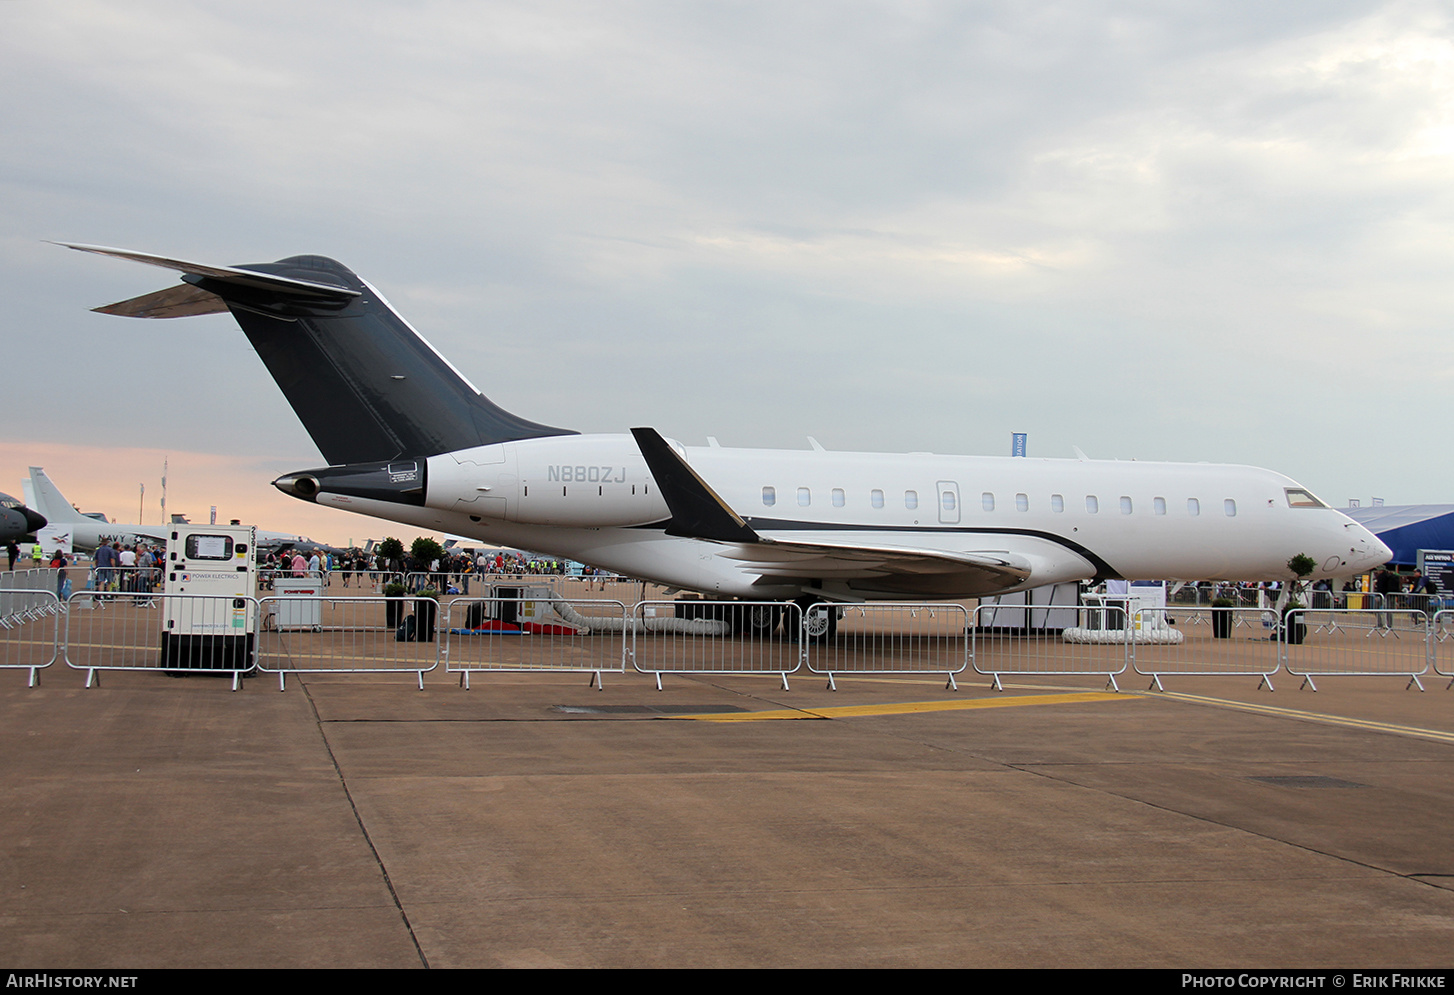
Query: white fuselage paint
{"points": [[592, 498]]}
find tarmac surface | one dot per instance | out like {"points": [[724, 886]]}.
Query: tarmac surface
{"points": [[534, 821]]}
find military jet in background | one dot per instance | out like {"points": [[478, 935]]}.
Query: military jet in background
{"points": [[17, 521], [88, 531]]}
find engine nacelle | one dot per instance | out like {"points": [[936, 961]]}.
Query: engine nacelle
{"points": [[587, 481]]}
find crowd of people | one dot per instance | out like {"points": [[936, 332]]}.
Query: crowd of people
{"points": [[447, 574], [115, 568]]}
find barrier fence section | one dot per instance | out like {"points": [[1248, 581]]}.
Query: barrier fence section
{"points": [[1353, 642], [1216, 642], [176, 634], [348, 635], [893, 638], [30, 630], [1441, 645], [716, 637], [364, 581], [28, 579], [524, 634], [998, 652], [628, 592]]}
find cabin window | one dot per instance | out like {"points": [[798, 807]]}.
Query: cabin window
{"points": [[876, 498], [987, 500], [1158, 506], [1125, 505], [1299, 498], [1057, 503], [1193, 507], [946, 499], [769, 496], [805, 497], [838, 497], [1230, 508], [1022, 502], [1092, 506], [911, 499]]}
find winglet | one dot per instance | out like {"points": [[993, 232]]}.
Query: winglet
{"points": [[696, 510]]}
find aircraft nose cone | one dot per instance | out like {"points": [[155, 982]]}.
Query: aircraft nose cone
{"points": [[1371, 552], [34, 521], [1380, 552]]}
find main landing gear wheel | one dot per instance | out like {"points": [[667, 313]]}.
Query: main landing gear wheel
{"points": [[760, 620], [820, 624]]}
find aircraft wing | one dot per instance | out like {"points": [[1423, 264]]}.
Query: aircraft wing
{"points": [[896, 567], [700, 513]]}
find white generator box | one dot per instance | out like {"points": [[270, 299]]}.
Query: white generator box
{"points": [[210, 610], [298, 603]]}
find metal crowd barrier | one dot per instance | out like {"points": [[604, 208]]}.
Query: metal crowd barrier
{"points": [[628, 592], [364, 581], [113, 580], [893, 638], [350, 635], [176, 634], [21, 604], [30, 622], [517, 635], [716, 637], [28, 579], [998, 652], [1216, 642], [1351, 642], [1440, 633]]}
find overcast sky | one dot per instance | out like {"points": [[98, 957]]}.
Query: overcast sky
{"points": [[1188, 231]]}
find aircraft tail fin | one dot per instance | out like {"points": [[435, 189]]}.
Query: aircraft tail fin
{"points": [[365, 384], [49, 500]]}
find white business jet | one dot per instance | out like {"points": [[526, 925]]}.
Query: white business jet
{"points": [[88, 531], [408, 438]]}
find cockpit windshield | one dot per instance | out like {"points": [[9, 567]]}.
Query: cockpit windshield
{"points": [[1299, 498]]}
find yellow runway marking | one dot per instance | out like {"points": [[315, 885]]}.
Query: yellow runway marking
{"points": [[1294, 713], [908, 707]]}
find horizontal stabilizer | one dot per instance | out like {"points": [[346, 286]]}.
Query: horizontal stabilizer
{"points": [[696, 510], [231, 275]]}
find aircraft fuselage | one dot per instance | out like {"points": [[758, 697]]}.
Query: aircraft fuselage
{"points": [[593, 498]]}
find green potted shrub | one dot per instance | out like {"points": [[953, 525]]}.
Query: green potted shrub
{"points": [[1294, 628], [391, 551], [424, 551]]}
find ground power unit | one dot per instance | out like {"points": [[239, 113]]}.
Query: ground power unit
{"points": [[211, 614]]}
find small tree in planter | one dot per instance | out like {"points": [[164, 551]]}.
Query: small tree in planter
{"points": [[1295, 630], [425, 551], [391, 551]]}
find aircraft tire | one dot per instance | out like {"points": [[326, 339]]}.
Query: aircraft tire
{"points": [[821, 625], [758, 620]]}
